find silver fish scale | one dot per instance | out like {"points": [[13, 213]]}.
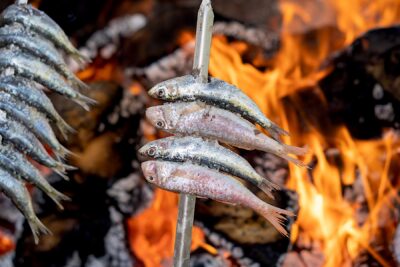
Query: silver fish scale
{"points": [[30, 61]]}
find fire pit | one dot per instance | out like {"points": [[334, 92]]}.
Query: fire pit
{"points": [[326, 71]]}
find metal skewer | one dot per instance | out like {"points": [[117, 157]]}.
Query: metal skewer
{"points": [[21, 2], [187, 203]]}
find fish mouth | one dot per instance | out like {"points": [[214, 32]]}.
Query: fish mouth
{"points": [[142, 153]]}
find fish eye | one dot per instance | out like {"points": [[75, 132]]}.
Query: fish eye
{"points": [[160, 124], [152, 151], [151, 178], [161, 92]]}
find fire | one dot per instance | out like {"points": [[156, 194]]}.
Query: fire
{"points": [[152, 232], [325, 215]]}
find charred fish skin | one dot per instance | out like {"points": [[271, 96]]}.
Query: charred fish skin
{"points": [[42, 24], [26, 91], [206, 153], [26, 66], [199, 119], [32, 120], [204, 182], [217, 93], [19, 166], [40, 48], [19, 195]]}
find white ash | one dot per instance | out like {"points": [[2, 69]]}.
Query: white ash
{"points": [[385, 112], [176, 64], [222, 244], [250, 35], [130, 192], [207, 260], [377, 91], [108, 39]]}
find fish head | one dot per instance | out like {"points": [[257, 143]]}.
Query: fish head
{"points": [[164, 117], [155, 149], [167, 91], [173, 89], [156, 172]]}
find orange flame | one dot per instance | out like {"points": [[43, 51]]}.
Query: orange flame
{"points": [[152, 232], [325, 216]]}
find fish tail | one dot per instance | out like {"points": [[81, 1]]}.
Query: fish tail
{"points": [[267, 187], [276, 217], [85, 102], [65, 128], [299, 151], [295, 161], [37, 228], [57, 197], [80, 58], [78, 83]]}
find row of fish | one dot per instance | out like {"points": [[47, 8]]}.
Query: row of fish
{"points": [[193, 162], [30, 62]]}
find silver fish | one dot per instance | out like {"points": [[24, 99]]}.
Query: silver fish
{"points": [[40, 48], [207, 183], [26, 66], [33, 120], [27, 92], [200, 119], [19, 166], [23, 140], [206, 153], [217, 93], [39, 22], [19, 195]]}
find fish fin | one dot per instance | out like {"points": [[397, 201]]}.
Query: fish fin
{"points": [[295, 150], [275, 131], [276, 217], [37, 228], [295, 161], [57, 197], [65, 129], [85, 102], [267, 187], [62, 174]]}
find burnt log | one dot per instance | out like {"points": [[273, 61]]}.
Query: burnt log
{"points": [[363, 87]]}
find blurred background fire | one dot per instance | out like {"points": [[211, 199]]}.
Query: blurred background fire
{"points": [[325, 70]]}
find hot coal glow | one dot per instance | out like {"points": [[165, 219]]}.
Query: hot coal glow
{"points": [[326, 216]]}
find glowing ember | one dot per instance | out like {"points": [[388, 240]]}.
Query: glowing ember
{"points": [[325, 216]]}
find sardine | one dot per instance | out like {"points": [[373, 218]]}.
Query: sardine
{"points": [[206, 153], [19, 195], [37, 21], [33, 120], [199, 119], [19, 166], [23, 140], [26, 66], [203, 182], [26, 91], [40, 48], [217, 93]]}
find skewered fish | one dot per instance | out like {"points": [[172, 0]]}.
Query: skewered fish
{"points": [[30, 61], [207, 183], [37, 21], [206, 153], [218, 93], [26, 91], [38, 47], [26, 66], [199, 119]]}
